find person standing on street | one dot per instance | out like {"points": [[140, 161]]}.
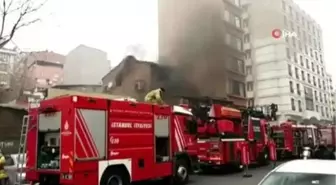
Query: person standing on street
{"points": [[3, 174]]}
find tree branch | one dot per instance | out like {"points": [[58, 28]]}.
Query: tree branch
{"points": [[25, 9]]}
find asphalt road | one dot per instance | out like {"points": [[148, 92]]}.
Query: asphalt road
{"points": [[232, 178]]}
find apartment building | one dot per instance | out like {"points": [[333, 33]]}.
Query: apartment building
{"points": [[284, 60], [8, 58], [204, 40], [45, 69], [85, 66]]}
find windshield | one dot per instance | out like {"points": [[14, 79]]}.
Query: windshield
{"points": [[280, 178]]}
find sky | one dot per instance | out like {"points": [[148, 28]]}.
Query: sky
{"points": [[114, 25]]}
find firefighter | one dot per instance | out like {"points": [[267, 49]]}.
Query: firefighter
{"points": [[3, 174], [155, 96]]}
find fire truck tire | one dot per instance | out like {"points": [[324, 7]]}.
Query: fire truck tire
{"points": [[181, 175], [115, 176]]}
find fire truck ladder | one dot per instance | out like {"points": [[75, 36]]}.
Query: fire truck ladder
{"points": [[22, 149]]}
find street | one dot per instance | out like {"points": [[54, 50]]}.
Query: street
{"points": [[225, 178], [232, 178]]}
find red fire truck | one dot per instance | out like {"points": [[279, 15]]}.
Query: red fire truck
{"points": [[257, 132], [221, 138], [328, 135], [290, 138], [87, 140]]}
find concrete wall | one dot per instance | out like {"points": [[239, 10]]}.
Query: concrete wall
{"points": [[85, 65]]}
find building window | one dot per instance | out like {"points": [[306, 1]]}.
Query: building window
{"points": [[250, 102], [312, 66], [249, 86], [309, 104], [233, 41], [288, 53], [249, 70], [283, 5], [303, 75], [314, 81], [3, 67], [322, 111], [308, 77], [299, 105], [285, 21], [295, 57], [319, 83], [297, 73], [298, 89], [4, 78], [325, 98], [237, 21], [307, 64], [301, 59], [247, 54], [245, 23], [293, 103], [316, 96], [294, 41], [237, 65], [291, 86], [237, 88], [290, 70], [246, 38], [317, 108]]}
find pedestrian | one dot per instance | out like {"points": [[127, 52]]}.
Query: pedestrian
{"points": [[155, 96], [4, 179]]}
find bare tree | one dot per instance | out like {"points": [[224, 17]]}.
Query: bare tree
{"points": [[19, 80], [21, 12]]}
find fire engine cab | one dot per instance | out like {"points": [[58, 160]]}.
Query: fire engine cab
{"points": [[77, 139]]}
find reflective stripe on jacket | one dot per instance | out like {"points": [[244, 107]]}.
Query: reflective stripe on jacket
{"points": [[3, 173]]}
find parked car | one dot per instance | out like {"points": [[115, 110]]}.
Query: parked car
{"points": [[302, 172], [11, 167]]}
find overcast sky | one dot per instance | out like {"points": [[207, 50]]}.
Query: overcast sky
{"points": [[113, 25]]}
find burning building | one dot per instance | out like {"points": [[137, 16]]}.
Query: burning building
{"points": [[202, 40], [135, 78]]}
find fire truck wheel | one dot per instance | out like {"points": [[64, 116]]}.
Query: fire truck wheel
{"points": [[115, 176], [181, 172]]}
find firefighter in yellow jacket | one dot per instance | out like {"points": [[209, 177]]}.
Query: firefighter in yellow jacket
{"points": [[3, 174], [155, 96]]}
